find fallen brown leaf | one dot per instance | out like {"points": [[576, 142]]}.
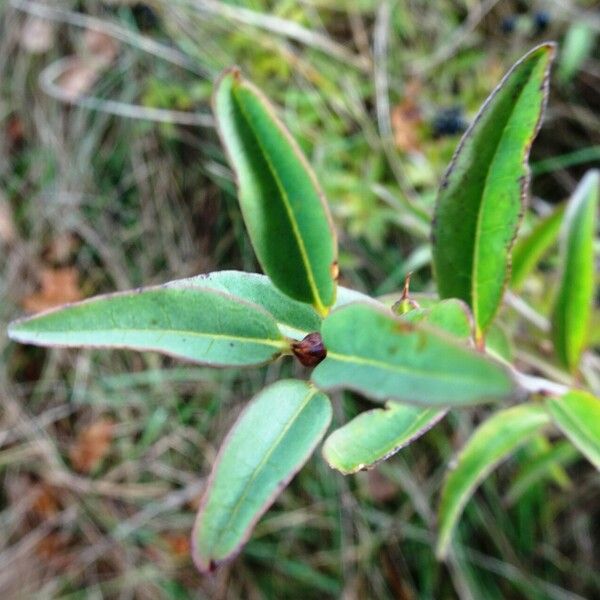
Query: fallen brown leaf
{"points": [[53, 550], [57, 286], [91, 446], [406, 119], [102, 47], [78, 78], [46, 503]]}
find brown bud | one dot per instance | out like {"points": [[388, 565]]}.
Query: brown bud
{"points": [[310, 351]]}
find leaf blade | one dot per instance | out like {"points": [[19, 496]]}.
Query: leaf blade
{"points": [[489, 445], [573, 305], [452, 316], [577, 414], [257, 289], [529, 249], [268, 444], [204, 326], [377, 434], [477, 212], [372, 352], [283, 206]]}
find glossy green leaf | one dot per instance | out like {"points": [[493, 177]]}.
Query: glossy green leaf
{"points": [[377, 434], [577, 414], [371, 351], [531, 248], [492, 442], [573, 306], [480, 199], [269, 443], [204, 326], [259, 290], [283, 206]]}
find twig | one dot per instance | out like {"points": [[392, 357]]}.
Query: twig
{"points": [[54, 71], [527, 312], [381, 35], [458, 37], [122, 34]]}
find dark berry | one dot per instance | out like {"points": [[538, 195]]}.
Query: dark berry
{"points": [[541, 20], [311, 350], [449, 121]]}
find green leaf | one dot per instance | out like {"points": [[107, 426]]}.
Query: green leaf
{"points": [[452, 316], [573, 305], [498, 343], [531, 248], [204, 326], [283, 206], [543, 465], [577, 414], [576, 48], [491, 443], [259, 290], [269, 443], [377, 434], [383, 357], [480, 199]]}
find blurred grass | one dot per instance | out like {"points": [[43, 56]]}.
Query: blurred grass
{"points": [[143, 201]]}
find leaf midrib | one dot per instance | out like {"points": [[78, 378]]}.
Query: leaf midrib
{"points": [[478, 226], [258, 470], [184, 332], [319, 305], [361, 360]]}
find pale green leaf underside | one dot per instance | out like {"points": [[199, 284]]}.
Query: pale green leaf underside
{"points": [[269, 443], [573, 305], [259, 290], [200, 325], [377, 434], [531, 248], [577, 414], [283, 206], [491, 443], [452, 316], [480, 199], [377, 354]]}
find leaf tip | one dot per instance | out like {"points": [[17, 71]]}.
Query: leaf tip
{"points": [[17, 332]]}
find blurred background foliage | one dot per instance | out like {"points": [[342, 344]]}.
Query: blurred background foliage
{"points": [[111, 177]]}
